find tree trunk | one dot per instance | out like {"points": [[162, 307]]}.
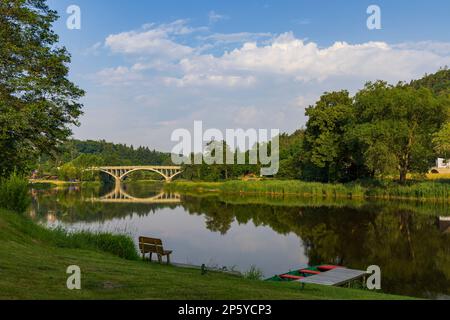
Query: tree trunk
{"points": [[403, 173]]}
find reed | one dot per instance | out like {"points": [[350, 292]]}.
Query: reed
{"points": [[116, 244], [14, 193], [436, 190]]}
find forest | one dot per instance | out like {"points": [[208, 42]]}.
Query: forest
{"points": [[382, 131]]}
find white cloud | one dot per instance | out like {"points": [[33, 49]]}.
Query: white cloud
{"points": [[440, 48], [211, 80], [216, 17], [153, 40], [293, 58], [120, 76]]}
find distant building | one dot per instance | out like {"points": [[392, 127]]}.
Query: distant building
{"points": [[442, 163]]}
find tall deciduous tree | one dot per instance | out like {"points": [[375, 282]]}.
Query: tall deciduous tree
{"points": [[325, 152], [395, 126], [38, 103]]}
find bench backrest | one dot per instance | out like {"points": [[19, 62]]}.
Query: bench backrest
{"points": [[147, 245]]}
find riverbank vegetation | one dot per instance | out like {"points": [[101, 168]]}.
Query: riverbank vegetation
{"points": [[33, 257], [425, 191], [14, 193]]}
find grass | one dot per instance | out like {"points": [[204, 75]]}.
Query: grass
{"points": [[14, 193], [438, 176], [435, 190], [119, 245], [33, 263], [61, 183]]}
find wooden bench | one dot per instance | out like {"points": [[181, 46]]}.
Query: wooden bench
{"points": [[151, 246]]}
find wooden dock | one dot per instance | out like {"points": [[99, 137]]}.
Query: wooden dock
{"points": [[335, 277]]}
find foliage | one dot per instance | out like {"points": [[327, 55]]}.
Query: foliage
{"points": [[14, 193], [394, 126], [326, 155], [214, 165], [382, 131], [38, 103], [438, 83], [441, 141], [119, 245], [254, 273], [76, 156], [116, 244], [428, 190]]}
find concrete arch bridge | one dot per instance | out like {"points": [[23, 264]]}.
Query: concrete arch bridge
{"points": [[119, 173]]}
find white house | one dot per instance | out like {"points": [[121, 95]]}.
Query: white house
{"points": [[442, 163]]}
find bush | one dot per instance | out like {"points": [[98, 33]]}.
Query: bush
{"points": [[118, 245], [14, 193]]}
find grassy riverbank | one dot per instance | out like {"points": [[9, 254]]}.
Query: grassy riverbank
{"points": [[33, 262], [61, 183], [423, 191]]}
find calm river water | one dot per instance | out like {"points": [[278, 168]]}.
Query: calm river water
{"points": [[406, 239]]}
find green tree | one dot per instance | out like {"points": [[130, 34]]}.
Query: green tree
{"points": [[327, 157], [441, 141], [37, 101], [395, 125], [69, 172]]}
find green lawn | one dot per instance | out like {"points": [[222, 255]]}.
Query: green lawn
{"points": [[33, 266]]}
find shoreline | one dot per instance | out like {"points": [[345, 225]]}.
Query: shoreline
{"points": [[427, 191]]}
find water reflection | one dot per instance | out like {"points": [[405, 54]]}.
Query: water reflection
{"points": [[407, 240], [119, 195]]}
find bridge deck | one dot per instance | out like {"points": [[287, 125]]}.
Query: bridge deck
{"points": [[138, 167]]}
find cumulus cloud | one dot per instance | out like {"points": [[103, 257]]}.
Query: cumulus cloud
{"points": [[440, 48], [120, 76], [153, 40], [211, 80], [306, 61]]}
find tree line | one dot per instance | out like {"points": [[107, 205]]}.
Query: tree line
{"points": [[383, 130], [75, 156]]}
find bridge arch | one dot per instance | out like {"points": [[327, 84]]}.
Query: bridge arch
{"points": [[126, 174], [121, 172], [108, 173]]}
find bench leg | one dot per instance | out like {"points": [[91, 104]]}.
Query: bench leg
{"points": [[143, 256], [151, 257], [168, 259], [160, 258]]}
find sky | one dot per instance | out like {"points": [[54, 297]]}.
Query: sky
{"points": [[151, 67]]}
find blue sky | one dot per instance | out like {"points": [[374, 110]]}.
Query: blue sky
{"points": [[150, 67]]}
